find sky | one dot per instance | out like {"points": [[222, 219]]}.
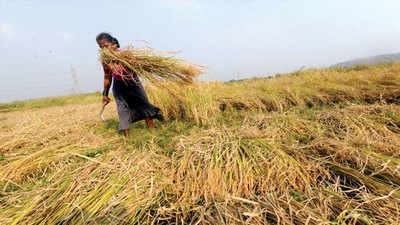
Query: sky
{"points": [[46, 45]]}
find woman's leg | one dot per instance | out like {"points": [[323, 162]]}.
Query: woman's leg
{"points": [[149, 122], [122, 107], [126, 132]]}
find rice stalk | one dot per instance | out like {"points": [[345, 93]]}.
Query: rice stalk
{"points": [[150, 65]]}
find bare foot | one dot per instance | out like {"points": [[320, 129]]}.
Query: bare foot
{"points": [[126, 132], [149, 122]]}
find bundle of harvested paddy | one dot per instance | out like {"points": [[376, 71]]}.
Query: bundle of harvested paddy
{"points": [[150, 65]]}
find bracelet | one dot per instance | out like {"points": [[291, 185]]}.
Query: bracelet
{"points": [[105, 92]]}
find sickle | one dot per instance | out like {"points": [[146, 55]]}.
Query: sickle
{"points": [[101, 112]]}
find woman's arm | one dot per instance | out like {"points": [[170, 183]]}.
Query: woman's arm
{"points": [[107, 84]]}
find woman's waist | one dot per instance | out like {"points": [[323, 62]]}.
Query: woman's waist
{"points": [[125, 76], [116, 76], [128, 82]]}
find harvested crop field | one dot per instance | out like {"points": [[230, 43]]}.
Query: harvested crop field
{"points": [[311, 147]]}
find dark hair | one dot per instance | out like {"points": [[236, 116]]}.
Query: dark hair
{"points": [[115, 41], [104, 36], [107, 37]]}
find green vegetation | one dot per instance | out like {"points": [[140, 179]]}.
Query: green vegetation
{"points": [[50, 101], [312, 147]]}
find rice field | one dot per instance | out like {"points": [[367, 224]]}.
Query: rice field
{"points": [[311, 147]]}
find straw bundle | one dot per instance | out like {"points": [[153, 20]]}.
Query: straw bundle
{"points": [[151, 65]]}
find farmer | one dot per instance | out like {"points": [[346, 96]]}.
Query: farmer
{"points": [[130, 96]]}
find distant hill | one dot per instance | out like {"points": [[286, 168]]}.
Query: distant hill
{"points": [[370, 60]]}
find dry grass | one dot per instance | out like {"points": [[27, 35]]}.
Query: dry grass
{"points": [[321, 147], [150, 65], [308, 89]]}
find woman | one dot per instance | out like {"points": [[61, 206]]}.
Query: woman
{"points": [[130, 96]]}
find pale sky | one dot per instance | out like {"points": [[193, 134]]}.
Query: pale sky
{"points": [[41, 40]]}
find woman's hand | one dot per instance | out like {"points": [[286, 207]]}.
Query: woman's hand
{"points": [[106, 100]]}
